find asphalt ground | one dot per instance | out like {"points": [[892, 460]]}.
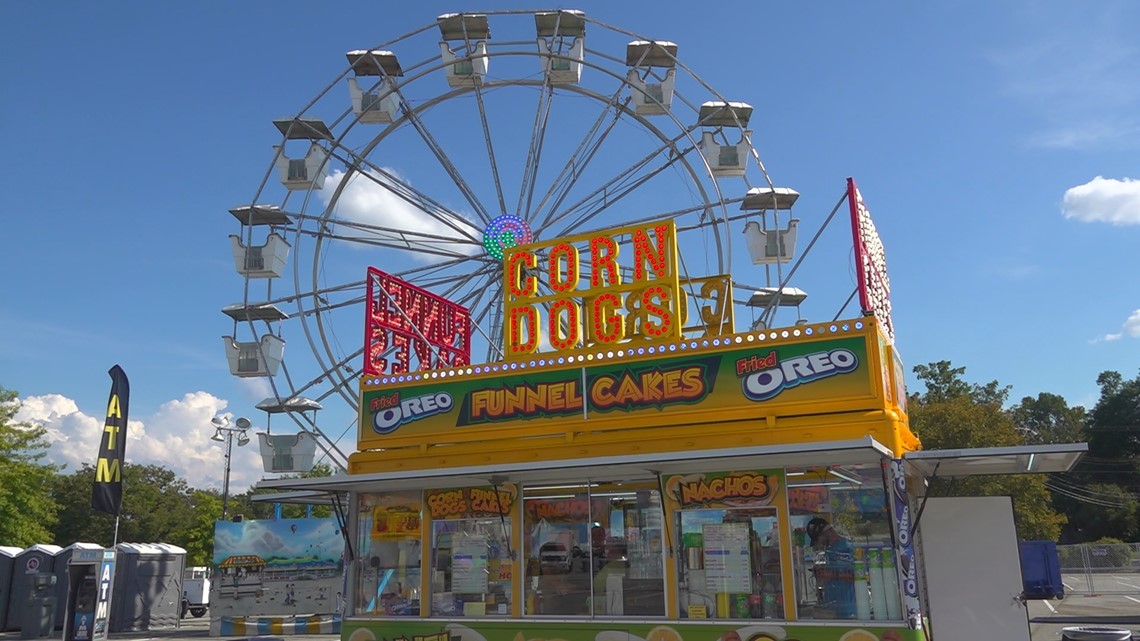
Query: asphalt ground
{"points": [[1049, 618], [188, 630], [1047, 621]]}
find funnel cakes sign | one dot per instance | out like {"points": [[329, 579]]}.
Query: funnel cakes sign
{"points": [[672, 385]]}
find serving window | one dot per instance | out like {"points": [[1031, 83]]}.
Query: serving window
{"points": [[843, 559], [729, 563], [594, 550], [472, 567], [389, 554]]}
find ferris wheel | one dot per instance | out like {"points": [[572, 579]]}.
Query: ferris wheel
{"points": [[433, 152]]}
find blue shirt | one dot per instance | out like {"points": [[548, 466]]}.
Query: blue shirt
{"points": [[836, 579]]}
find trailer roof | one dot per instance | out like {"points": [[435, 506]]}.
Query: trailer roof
{"points": [[628, 467]]}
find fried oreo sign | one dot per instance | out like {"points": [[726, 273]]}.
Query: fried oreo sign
{"points": [[389, 412], [777, 376]]}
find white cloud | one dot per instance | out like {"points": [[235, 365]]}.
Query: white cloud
{"points": [[1131, 328], [372, 201], [177, 437], [1104, 200]]}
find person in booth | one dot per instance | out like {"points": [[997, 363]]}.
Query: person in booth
{"points": [[834, 572]]}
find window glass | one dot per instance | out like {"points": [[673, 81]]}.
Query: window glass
{"points": [[729, 561], [556, 530], [627, 547], [594, 550], [388, 554], [472, 567], [730, 564], [843, 560]]}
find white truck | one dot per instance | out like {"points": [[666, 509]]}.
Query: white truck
{"points": [[195, 591]]}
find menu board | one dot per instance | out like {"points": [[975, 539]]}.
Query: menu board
{"points": [[727, 562], [469, 565]]}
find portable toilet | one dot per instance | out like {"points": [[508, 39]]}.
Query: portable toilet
{"points": [[7, 562], [148, 587], [61, 577], [37, 559], [1041, 570]]}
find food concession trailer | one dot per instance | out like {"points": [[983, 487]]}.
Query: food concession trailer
{"points": [[628, 465], [740, 486]]}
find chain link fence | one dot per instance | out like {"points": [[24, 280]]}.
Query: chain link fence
{"points": [[1100, 568]]}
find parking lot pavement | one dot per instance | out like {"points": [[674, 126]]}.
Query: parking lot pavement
{"points": [[1049, 618], [190, 629], [1071, 611]]}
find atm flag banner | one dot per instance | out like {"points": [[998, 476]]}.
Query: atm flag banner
{"points": [[107, 493]]}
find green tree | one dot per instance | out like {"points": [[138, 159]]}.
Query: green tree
{"points": [[156, 508], [27, 510], [944, 382], [1048, 419], [953, 414], [1102, 495], [199, 540], [1114, 429], [1095, 510]]}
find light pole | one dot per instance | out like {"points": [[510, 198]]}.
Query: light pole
{"points": [[222, 425]]}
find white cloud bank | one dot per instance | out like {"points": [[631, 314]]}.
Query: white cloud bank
{"points": [[1130, 328], [1104, 200], [177, 437]]}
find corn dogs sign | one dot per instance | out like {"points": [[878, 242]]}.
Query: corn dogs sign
{"points": [[625, 286]]}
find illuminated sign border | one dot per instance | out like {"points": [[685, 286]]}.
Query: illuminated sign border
{"points": [[414, 322], [608, 310], [870, 262]]}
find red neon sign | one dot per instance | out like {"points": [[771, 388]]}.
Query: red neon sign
{"points": [[408, 328], [870, 263]]}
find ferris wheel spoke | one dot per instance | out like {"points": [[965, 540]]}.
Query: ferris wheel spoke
{"points": [[323, 293], [409, 194], [495, 337], [613, 199], [475, 295], [440, 155], [323, 304], [454, 283], [534, 150], [485, 271], [574, 168], [381, 232], [603, 191], [436, 268], [490, 149], [400, 244]]}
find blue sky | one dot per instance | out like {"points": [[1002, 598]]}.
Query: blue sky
{"points": [[994, 143]]}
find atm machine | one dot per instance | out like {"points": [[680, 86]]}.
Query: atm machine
{"points": [[90, 575]]}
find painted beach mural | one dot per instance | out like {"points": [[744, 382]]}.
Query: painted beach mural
{"points": [[287, 567]]}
